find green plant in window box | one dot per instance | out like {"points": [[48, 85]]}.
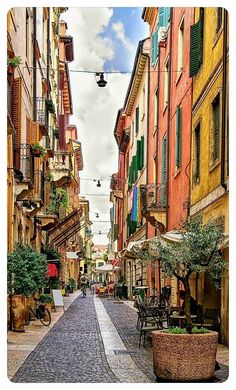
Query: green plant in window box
{"points": [[12, 63], [38, 150]]}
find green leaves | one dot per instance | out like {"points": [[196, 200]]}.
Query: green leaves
{"points": [[26, 270], [58, 199]]}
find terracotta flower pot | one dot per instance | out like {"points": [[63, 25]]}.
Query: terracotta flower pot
{"points": [[184, 357], [18, 313]]}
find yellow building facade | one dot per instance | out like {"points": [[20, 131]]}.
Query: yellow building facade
{"points": [[209, 153]]}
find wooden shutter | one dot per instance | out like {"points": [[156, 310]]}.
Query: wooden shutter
{"points": [[161, 21], [178, 135], [16, 119], [28, 131], [197, 151], [166, 15], [34, 133], [216, 120], [164, 171], [142, 151], [154, 47], [195, 48], [135, 168], [138, 154]]}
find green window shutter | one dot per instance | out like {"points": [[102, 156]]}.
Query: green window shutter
{"points": [[216, 120], [137, 120], [135, 168], [138, 154], [161, 21], [154, 47], [178, 135], [197, 151], [164, 171], [142, 151], [115, 231], [130, 176], [195, 48]]}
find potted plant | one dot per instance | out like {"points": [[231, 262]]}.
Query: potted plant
{"points": [[72, 285], [186, 354], [48, 177], [26, 272], [58, 199], [47, 300], [38, 150], [12, 63]]}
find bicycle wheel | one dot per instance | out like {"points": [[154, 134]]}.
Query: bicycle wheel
{"points": [[46, 317], [31, 317]]}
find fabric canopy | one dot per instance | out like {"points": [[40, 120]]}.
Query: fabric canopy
{"points": [[106, 268], [52, 270]]}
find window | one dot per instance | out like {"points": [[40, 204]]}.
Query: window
{"points": [[219, 15], [197, 153], [137, 120], [166, 85], [140, 153], [216, 127], [164, 16], [154, 47], [180, 47], [196, 44], [178, 136]]}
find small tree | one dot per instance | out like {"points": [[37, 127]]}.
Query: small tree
{"points": [[26, 270], [197, 251]]}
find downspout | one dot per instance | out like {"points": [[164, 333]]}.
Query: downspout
{"points": [[148, 104], [224, 100], [34, 92], [157, 129], [168, 128]]}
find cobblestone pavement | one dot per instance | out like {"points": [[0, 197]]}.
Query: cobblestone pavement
{"points": [[96, 340], [72, 351], [124, 319]]}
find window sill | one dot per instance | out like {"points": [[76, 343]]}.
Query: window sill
{"points": [[214, 165], [163, 112], [179, 76], [177, 171]]}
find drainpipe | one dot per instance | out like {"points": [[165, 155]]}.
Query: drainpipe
{"points": [[224, 100], [148, 103], [34, 93], [169, 125], [157, 129]]}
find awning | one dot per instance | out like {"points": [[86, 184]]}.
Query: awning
{"points": [[66, 228], [52, 270], [72, 255], [106, 268]]}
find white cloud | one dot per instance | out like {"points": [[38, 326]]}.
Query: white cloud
{"points": [[118, 27], [95, 109]]}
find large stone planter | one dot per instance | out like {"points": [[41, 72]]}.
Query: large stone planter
{"points": [[184, 357], [18, 313]]}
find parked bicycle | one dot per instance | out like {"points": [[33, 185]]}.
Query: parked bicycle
{"points": [[39, 312]]}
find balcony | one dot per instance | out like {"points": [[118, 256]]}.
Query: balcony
{"points": [[43, 106], [61, 167], [35, 199], [153, 203], [23, 163]]}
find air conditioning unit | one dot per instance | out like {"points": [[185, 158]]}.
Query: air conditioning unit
{"points": [[162, 34]]}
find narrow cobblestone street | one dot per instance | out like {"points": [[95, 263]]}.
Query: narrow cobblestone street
{"points": [[96, 340]]}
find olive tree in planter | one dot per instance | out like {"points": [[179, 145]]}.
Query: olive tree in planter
{"points": [[187, 354], [26, 272]]}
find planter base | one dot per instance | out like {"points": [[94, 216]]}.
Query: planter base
{"points": [[184, 357]]}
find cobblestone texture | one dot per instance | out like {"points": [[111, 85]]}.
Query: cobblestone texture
{"points": [[124, 319], [72, 351]]}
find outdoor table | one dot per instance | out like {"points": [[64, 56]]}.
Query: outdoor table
{"points": [[181, 318]]}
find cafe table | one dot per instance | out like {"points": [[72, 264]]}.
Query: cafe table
{"points": [[181, 318]]}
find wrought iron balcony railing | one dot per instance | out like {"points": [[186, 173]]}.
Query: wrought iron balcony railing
{"points": [[41, 113], [153, 197], [23, 162]]}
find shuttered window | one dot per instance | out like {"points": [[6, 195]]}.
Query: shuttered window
{"points": [[164, 16], [154, 48], [16, 120], [197, 152], [216, 121], [195, 48], [164, 171], [115, 231], [178, 135], [140, 153]]}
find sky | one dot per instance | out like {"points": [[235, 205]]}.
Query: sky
{"points": [[105, 39]]}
